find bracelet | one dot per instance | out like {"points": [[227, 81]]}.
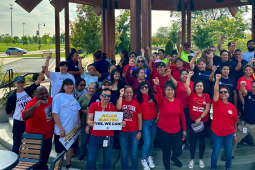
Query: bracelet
{"points": [[140, 131]]}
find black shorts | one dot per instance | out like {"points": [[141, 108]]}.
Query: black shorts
{"points": [[59, 147]]}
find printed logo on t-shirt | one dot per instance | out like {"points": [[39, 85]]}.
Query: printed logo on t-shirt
{"points": [[230, 112], [150, 101], [128, 112], [220, 83], [203, 74], [249, 97], [73, 105], [97, 100], [48, 113], [197, 102]]}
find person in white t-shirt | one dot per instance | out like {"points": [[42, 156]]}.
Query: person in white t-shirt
{"points": [[65, 111], [57, 77], [79, 89], [249, 55], [15, 105]]}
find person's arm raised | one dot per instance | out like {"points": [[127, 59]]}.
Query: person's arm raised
{"points": [[188, 90], [210, 58], [119, 101], [192, 62], [81, 70], [171, 77], [129, 78], [216, 88], [239, 65], [158, 89], [211, 78], [41, 76], [251, 62], [47, 72], [220, 43], [242, 88]]}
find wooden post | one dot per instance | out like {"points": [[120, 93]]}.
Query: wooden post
{"points": [[67, 31], [253, 20], [183, 22], [189, 21], [103, 26], [135, 14], [146, 25], [57, 34]]}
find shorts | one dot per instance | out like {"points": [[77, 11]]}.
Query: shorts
{"points": [[59, 147]]}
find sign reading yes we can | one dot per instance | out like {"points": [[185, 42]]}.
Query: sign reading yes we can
{"points": [[108, 120]]}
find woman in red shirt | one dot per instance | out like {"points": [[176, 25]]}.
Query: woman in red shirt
{"points": [[148, 103], [224, 124], [199, 106], [176, 70], [169, 125], [130, 135]]}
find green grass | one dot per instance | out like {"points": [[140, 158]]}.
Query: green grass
{"points": [[62, 54], [29, 47]]}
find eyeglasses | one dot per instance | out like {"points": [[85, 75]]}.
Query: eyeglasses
{"points": [[104, 96], [225, 92], [144, 87], [140, 61], [117, 74]]}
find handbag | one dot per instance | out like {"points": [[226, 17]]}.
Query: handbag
{"points": [[198, 128]]}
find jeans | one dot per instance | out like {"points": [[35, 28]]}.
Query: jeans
{"points": [[95, 143], [170, 142], [217, 142], [149, 134], [84, 139], [128, 142], [18, 129], [47, 144]]}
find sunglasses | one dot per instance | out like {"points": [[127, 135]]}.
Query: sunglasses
{"points": [[144, 87], [225, 92], [82, 85], [104, 96], [140, 61], [132, 56]]}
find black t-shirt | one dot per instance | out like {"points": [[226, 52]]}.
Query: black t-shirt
{"points": [[249, 107], [231, 84], [239, 73], [101, 66], [231, 64], [73, 67]]}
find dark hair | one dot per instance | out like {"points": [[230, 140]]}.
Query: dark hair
{"points": [[196, 82], [112, 75], [133, 53], [229, 43], [163, 51], [73, 51], [136, 72], [155, 53], [128, 86], [62, 90], [224, 87], [106, 89], [90, 66], [169, 83], [183, 71], [224, 65], [247, 66], [125, 52], [63, 63], [179, 58], [174, 52], [140, 95], [98, 54], [253, 81], [223, 52], [238, 50], [211, 46], [78, 81], [104, 56], [250, 41]]}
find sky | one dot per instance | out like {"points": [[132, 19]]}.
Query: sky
{"points": [[44, 13]]}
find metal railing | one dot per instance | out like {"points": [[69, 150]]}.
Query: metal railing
{"points": [[10, 71]]}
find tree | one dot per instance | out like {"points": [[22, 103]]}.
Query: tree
{"points": [[15, 39], [7, 39], [169, 47], [31, 41], [44, 39], [154, 40], [86, 29], [173, 34], [162, 32], [35, 39], [24, 40]]}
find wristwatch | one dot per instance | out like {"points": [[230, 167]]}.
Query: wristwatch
{"points": [[235, 134], [140, 131], [201, 117]]}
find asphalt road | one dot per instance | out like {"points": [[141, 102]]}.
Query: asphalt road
{"points": [[32, 52], [26, 65]]}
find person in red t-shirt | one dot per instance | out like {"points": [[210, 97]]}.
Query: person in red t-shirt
{"points": [[132, 55], [169, 126], [162, 76], [130, 135], [199, 106], [148, 102], [224, 124], [98, 137], [39, 120], [176, 70], [247, 78]]}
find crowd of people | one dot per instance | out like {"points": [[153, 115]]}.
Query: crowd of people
{"points": [[168, 96]]}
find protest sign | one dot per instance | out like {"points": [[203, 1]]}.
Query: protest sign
{"points": [[70, 136], [108, 120]]}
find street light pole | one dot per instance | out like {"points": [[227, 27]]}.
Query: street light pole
{"points": [[39, 33], [23, 28], [11, 18]]}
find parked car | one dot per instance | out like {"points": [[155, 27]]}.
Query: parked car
{"points": [[15, 50]]}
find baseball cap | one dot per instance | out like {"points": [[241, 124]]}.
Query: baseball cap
{"points": [[192, 54], [186, 45], [160, 64], [67, 81], [107, 80], [19, 78]]}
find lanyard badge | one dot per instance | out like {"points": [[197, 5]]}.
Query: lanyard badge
{"points": [[106, 142]]}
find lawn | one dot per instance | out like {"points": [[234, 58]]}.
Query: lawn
{"points": [[29, 47]]}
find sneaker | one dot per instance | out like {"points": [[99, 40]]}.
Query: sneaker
{"points": [[223, 158], [81, 157], [145, 165], [191, 164], [183, 146], [201, 164], [176, 161], [150, 162]]}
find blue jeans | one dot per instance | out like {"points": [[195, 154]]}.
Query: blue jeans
{"points": [[149, 134], [127, 141], [217, 142], [84, 139], [95, 143]]}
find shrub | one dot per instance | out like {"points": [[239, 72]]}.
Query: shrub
{"points": [[169, 47]]}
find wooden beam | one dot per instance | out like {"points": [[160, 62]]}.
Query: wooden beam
{"points": [[189, 20], [97, 10], [57, 35], [97, 3], [135, 13], [28, 5], [233, 10], [103, 26], [253, 20], [146, 25], [61, 5], [67, 31], [183, 22]]}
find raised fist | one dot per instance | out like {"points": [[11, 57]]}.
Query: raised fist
{"points": [[156, 81], [223, 36], [191, 73], [79, 59], [214, 68], [169, 72], [197, 52], [48, 57], [122, 92], [180, 34], [243, 83], [218, 76]]}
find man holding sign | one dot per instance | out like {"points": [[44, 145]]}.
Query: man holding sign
{"points": [[104, 137]]}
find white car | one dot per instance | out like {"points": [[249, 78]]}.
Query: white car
{"points": [[15, 50]]}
